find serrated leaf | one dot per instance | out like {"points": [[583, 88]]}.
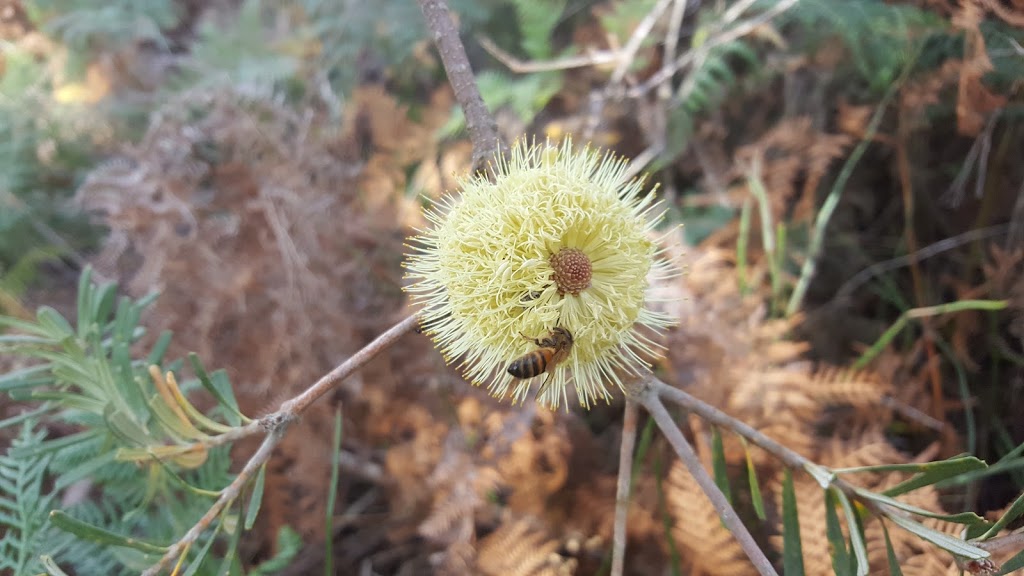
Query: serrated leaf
{"points": [[944, 541], [837, 542], [718, 464], [755, 488], [99, 535], [255, 499], [860, 551], [792, 548]]}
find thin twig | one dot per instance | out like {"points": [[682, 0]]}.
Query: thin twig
{"points": [[299, 404], [227, 496], [636, 39], [277, 424], [719, 418], [622, 490], [737, 31], [846, 290], [594, 58], [648, 396], [483, 130], [675, 22]]}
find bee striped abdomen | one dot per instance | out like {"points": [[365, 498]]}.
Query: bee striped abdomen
{"points": [[531, 364], [553, 349]]}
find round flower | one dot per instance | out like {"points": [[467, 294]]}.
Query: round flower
{"points": [[557, 243]]}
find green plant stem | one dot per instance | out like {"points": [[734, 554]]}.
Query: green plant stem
{"points": [[332, 495], [832, 201], [742, 241], [756, 186], [904, 319]]}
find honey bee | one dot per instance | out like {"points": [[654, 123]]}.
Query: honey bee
{"points": [[553, 349]]}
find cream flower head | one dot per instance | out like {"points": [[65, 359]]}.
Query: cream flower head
{"points": [[559, 240]]}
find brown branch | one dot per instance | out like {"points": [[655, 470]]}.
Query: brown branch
{"points": [[648, 391], [719, 418], [483, 130], [647, 395], [629, 422], [299, 404], [276, 424], [227, 496]]}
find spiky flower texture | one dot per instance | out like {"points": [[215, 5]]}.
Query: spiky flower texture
{"points": [[557, 239]]}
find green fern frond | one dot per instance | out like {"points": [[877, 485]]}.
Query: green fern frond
{"points": [[90, 26], [23, 504], [537, 20], [242, 54], [348, 33], [881, 37], [88, 379]]}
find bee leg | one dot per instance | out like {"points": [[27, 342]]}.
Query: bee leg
{"points": [[544, 384], [534, 340]]}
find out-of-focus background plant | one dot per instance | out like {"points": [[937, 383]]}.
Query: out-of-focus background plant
{"points": [[849, 178]]}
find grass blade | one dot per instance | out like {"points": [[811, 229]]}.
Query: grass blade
{"points": [[860, 550], [792, 548], [718, 464], [755, 488], [332, 494], [256, 499], [841, 557], [890, 554]]}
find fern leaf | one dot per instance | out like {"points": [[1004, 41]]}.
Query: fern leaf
{"points": [[23, 505]]}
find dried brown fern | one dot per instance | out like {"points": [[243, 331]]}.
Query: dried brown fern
{"points": [[522, 547], [795, 156], [252, 221], [704, 542]]}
